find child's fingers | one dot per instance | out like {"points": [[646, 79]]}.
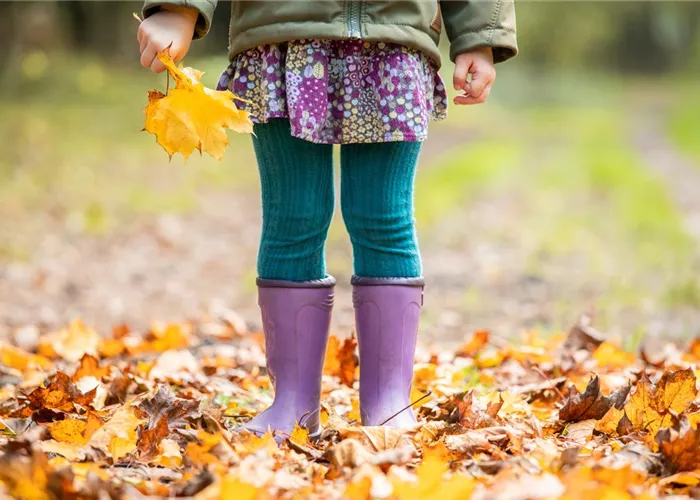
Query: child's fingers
{"points": [[467, 99], [459, 78], [148, 55], [143, 43], [157, 66]]}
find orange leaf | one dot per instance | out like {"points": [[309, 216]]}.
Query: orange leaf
{"points": [[340, 359], [477, 341], [16, 358], [61, 394], [90, 367]]}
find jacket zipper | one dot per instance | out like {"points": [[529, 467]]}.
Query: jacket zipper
{"points": [[354, 18]]}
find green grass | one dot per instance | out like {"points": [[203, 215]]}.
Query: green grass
{"points": [[75, 149], [462, 172], [684, 124]]}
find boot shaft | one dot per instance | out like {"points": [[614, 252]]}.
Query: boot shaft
{"points": [[387, 313]]}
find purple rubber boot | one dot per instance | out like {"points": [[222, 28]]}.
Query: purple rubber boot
{"points": [[296, 319], [386, 317]]}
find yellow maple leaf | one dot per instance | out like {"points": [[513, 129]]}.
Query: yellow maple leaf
{"points": [[70, 343], [192, 116], [432, 485], [233, 487], [170, 455], [71, 451], [675, 391], [610, 355], [118, 436], [651, 406], [608, 424], [299, 435], [16, 358]]}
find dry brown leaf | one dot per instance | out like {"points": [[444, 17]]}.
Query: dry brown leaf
{"points": [[591, 404], [378, 438], [150, 438], [60, 394], [177, 412], [680, 446]]}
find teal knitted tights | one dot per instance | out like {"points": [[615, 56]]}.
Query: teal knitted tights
{"points": [[296, 179]]}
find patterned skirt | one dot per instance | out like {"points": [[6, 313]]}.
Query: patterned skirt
{"points": [[340, 91]]}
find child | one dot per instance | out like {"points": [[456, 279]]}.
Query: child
{"points": [[361, 73]]}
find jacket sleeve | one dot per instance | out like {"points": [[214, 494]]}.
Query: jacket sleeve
{"points": [[205, 8], [480, 23]]}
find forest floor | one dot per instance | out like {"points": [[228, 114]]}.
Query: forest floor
{"points": [[548, 202]]}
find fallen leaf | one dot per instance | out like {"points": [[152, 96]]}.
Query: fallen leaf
{"points": [[169, 454], [118, 435], [16, 358], [299, 435], [60, 394], [610, 355], [675, 391], [591, 404], [680, 446], [72, 451], [232, 487], [177, 412], [174, 366], [340, 359], [90, 367], [472, 346], [70, 343], [651, 406], [150, 437], [608, 424], [73, 430], [431, 484]]}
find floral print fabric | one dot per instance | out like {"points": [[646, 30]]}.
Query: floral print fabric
{"points": [[340, 91]]}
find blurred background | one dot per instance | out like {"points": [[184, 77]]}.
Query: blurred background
{"points": [[576, 188]]}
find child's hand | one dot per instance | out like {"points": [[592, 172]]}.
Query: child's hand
{"points": [[172, 26], [479, 64]]}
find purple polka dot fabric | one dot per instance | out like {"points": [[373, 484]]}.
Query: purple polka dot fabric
{"points": [[340, 91]]}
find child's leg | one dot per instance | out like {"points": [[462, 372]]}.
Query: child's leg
{"points": [[377, 202], [296, 180], [294, 293]]}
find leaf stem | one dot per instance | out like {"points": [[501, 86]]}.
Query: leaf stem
{"points": [[409, 406]]}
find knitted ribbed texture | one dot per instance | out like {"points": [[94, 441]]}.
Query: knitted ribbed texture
{"points": [[296, 179], [376, 182]]}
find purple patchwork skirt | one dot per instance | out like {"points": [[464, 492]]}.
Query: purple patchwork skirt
{"points": [[340, 91]]}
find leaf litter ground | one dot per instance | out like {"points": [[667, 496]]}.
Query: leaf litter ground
{"points": [[155, 414]]}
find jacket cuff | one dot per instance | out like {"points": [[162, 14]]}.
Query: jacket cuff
{"points": [[502, 41], [205, 8]]}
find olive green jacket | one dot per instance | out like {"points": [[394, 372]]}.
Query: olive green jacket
{"points": [[415, 23]]}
